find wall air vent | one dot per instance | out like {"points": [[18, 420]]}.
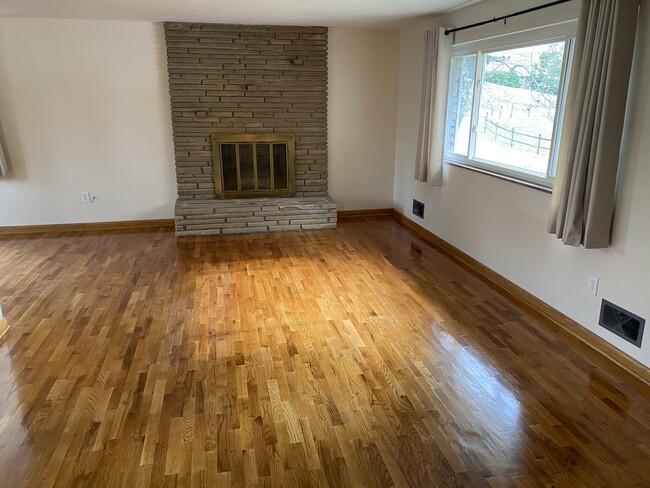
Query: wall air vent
{"points": [[621, 322], [418, 209]]}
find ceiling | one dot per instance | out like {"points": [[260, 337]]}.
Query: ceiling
{"points": [[330, 13]]}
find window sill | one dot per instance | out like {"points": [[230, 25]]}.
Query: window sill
{"points": [[499, 176]]}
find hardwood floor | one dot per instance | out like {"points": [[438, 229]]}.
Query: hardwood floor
{"points": [[354, 357]]}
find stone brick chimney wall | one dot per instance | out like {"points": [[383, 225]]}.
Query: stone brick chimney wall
{"points": [[231, 79], [237, 79]]}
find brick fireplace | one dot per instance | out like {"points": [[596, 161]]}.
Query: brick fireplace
{"points": [[229, 80]]}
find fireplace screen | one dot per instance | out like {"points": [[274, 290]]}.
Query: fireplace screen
{"points": [[248, 166]]}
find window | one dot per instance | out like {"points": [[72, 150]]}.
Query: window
{"points": [[506, 101]]}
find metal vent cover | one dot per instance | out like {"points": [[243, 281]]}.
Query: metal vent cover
{"points": [[624, 324]]}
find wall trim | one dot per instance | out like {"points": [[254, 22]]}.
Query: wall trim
{"points": [[375, 213], [81, 227], [591, 344]]}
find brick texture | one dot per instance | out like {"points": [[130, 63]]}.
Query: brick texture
{"points": [[214, 217], [231, 79]]}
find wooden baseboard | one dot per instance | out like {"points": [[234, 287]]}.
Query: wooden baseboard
{"points": [[130, 224], [373, 213], [4, 327], [588, 342]]}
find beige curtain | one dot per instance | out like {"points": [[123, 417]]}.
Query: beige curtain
{"points": [[433, 107], [4, 169], [583, 197]]}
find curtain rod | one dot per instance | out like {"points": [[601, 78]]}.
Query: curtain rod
{"points": [[506, 17]]}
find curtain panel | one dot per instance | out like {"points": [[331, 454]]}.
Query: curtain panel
{"points": [[433, 106], [583, 198], [4, 168]]}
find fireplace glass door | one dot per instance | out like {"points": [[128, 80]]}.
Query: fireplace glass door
{"points": [[254, 165]]}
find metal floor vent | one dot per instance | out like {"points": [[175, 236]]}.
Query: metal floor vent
{"points": [[418, 209], [621, 322]]}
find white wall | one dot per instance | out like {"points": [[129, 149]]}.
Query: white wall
{"points": [[362, 117], [503, 225], [84, 106]]}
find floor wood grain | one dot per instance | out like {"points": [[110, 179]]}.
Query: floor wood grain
{"points": [[354, 357]]}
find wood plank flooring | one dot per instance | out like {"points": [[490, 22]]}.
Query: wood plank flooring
{"points": [[347, 358]]}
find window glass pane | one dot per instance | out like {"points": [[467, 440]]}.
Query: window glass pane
{"points": [[517, 106], [459, 104], [246, 168], [229, 167]]}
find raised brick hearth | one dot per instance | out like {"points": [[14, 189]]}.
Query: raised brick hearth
{"points": [[234, 79], [254, 215]]}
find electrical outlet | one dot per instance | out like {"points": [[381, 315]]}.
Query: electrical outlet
{"points": [[592, 285], [85, 197]]}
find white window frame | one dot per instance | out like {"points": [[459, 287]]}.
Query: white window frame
{"points": [[564, 31]]}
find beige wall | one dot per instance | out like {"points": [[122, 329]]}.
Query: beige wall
{"points": [[362, 115], [84, 106], [504, 225]]}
